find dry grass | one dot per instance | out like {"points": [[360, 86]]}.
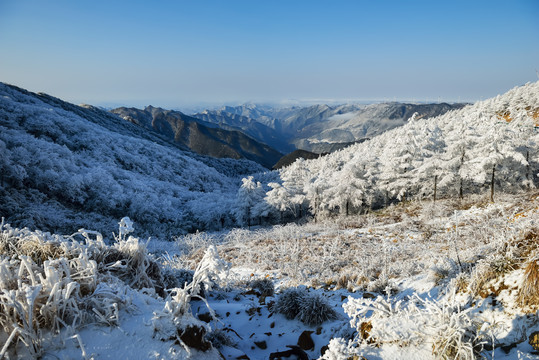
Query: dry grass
{"points": [[528, 294], [49, 282]]}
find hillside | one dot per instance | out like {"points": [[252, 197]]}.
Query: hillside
{"points": [[220, 142], [289, 159], [64, 167], [471, 150]]}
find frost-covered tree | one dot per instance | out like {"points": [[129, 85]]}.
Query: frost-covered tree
{"points": [[314, 190], [497, 153], [294, 179], [279, 198], [430, 169], [349, 189], [249, 195], [399, 159], [460, 139]]}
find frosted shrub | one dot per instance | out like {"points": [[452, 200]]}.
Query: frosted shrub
{"points": [[129, 260], [451, 330], [46, 297], [314, 310], [125, 228], [288, 302], [340, 349], [176, 320], [310, 309], [190, 244], [264, 287], [49, 283]]}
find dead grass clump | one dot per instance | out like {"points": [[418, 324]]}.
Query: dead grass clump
{"points": [[528, 293], [461, 283], [484, 275], [131, 264], [39, 250], [350, 281], [264, 287], [527, 243], [35, 247]]}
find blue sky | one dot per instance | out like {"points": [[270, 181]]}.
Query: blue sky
{"points": [[179, 53]]}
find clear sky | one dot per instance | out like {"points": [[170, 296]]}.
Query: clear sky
{"points": [[176, 53]]}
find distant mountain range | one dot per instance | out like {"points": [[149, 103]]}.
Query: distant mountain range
{"points": [[263, 133], [203, 138], [318, 128]]}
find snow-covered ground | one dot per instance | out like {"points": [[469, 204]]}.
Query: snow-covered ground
{"points": [[414, 281]]}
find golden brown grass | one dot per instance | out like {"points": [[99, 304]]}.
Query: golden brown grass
{"points": [[528, 293]]}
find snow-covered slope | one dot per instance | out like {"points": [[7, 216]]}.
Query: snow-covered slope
{"points": [[491, 145], [63, 167], [449, 280]]}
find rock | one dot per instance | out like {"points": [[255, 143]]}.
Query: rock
{"points": [[206, 317], [294, 350], [253, 310], [305, 341], [261, 344], [367, 295], [324, 349], [193, 336], [533, 340]]}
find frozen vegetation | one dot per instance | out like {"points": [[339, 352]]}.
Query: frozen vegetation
{"points": [[451, 279], [63, 167], [421, 243]]}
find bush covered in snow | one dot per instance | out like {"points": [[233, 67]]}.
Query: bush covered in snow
{"points": [[50, 282], [312, 309], [264, 287]]}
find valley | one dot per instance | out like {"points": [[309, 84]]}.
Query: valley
{"points": [[419, 242]]}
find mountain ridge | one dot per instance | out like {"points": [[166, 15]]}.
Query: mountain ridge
{"points": [[202, 139], [314, 128]]}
